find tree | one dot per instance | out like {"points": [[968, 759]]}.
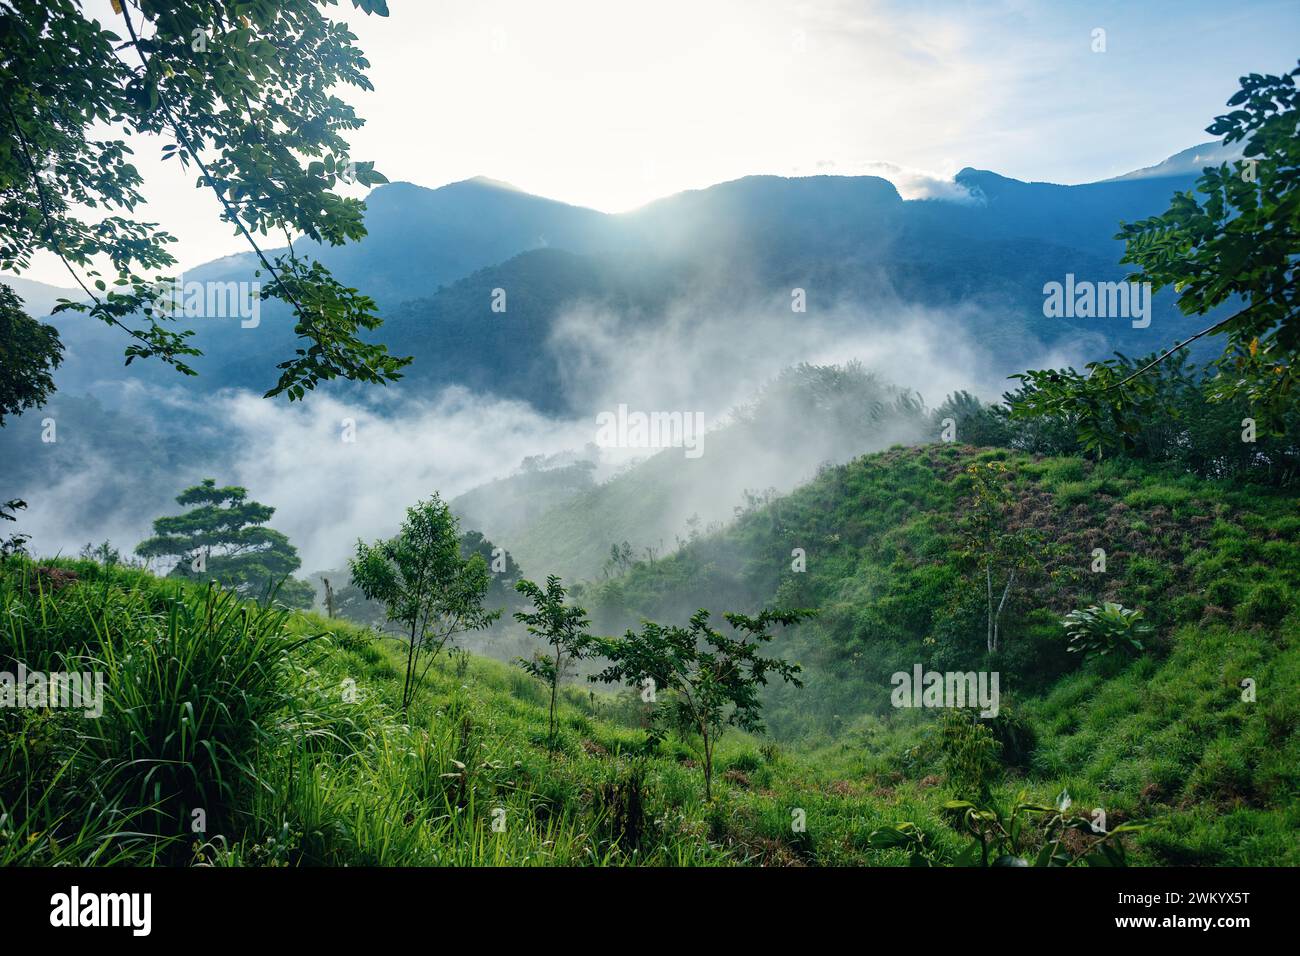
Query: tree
{"points": [[976, 423], [714, 677], [243, 93], [351, 603], [30, 351], [223, 540], [1000, 551], [104, 553], [425, 584], [1171, 414], [563, 627], [505, 570], [15, 543], [620, 560], [1239, 245]]}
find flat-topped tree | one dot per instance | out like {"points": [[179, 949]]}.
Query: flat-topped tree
{"points": [[223, 538]]}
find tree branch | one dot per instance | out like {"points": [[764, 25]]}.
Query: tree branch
{"points": [[1177, 347], [225, 202], [51, 232]]}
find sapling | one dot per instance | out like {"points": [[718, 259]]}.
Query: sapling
{"points": [[715, 677], [425, 585], [563, 627]]}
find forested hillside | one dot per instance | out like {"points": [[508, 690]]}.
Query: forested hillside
{"points": [[312, 767]]}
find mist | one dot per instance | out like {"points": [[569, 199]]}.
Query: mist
{"points": [[337, 469]]}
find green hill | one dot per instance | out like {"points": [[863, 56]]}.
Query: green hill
{"points": [[804, 418], [283, 728], [1213, 566]]}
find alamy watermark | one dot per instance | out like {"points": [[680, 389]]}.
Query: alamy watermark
{"points": [[624, 429], [74, 908], [958, 689], [209, 299], [1084, 299], [35, 689]]}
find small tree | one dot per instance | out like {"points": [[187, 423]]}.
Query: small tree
{"points": [[103, 552], [620, 560], [425, 585], [715, 678], [1001, 552], [977, 423], [15, 543], [563, 627], [223, 539]]}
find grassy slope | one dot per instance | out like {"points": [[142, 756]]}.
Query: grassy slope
{"points": [[290, 769], [1214, 566], [327, 780]]}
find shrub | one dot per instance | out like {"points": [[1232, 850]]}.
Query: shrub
{"points": [[969, 751], [188, 702], [1224, 592], [1100, 631], [1015, 736]]}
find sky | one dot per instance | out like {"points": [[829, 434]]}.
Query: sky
{"points": [[613, 103]]}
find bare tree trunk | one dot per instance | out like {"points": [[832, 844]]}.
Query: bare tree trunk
{"points": [[555, 686], [990, 638], [1011, 578], [410, 668], [708, 769]]}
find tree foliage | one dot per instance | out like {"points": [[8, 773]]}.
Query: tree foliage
{"points": [[425, 585], [714, 678], [30, 351], [506, 572], [1001, 550], [976, 423], [1169, 414], [14, 543], [223, 538], [1233, 242], [562, 626], [243, 94]]}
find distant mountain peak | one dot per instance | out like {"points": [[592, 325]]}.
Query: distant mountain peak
{"points": [[491, 183], [1188, 162]]}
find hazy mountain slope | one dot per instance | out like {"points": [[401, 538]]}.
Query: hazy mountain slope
{"points": [[850, 242], [418, 240], [1189, 162], [807, 417], [38, 298], [503, 508], [1213, 567]]}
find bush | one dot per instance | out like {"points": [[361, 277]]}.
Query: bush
{"points": [[1109, 629], [1015, 736], [969, 751], [187, 704]]}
